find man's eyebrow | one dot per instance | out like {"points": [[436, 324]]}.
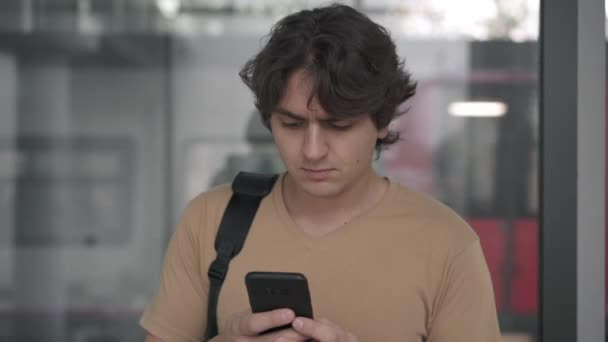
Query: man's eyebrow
{"points": [[289, 114], [294, 116]]}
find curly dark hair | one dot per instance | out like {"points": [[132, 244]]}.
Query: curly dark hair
{"points": [[352, 60]]}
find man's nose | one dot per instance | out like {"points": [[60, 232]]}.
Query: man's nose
{"points": [[315, 143]]}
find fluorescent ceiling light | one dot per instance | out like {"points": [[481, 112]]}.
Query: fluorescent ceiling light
{"points": [[478, 108], [168, 8]]}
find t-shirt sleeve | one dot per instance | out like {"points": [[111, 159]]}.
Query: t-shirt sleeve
{"points": [[178, 310], [465, 309]]}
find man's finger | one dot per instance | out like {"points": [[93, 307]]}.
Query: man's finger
{"points": [[285, 339], [286, 335], [253, 324], [328, 322], [316, 330]]}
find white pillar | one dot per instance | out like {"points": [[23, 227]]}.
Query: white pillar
{"points": [[591, 126], [40, 281]]}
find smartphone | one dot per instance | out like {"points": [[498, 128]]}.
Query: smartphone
{"points": [[278, 290]]}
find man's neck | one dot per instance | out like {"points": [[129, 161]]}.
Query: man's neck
{"points": [[318, 216]]}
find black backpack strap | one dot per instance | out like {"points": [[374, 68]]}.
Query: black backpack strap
{"points": [[248, 191]]}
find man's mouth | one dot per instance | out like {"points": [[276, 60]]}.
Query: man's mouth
{"points": [[317, 174]]}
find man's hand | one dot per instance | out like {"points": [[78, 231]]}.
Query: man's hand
{"points": [[320, 330], [244, 327]]}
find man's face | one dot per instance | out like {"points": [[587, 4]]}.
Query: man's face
{"points": [[324, 156]]}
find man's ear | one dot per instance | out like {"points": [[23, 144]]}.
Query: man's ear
{"points": [[383, 132]]}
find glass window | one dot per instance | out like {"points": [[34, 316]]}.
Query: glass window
{"points": [[116, 113]]}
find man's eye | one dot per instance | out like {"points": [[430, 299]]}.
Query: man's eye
{"points": [[294, 124], [341, 126]]}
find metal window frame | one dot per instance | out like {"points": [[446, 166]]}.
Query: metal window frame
{"points": [[572, 170]]}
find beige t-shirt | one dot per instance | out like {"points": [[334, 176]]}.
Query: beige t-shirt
{"points": [[409, 269]]}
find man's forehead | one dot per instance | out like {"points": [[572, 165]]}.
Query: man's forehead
{"points": [[300, 98], [301, 85], [301, 78]]}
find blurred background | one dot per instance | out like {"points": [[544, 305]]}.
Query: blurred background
{"points": [[114, 113]]}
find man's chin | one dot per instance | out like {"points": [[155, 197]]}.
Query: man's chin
{"points": [[320, 189], [324, 188]]}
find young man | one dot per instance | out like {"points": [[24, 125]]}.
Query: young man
{"points": [[384, 263]]}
